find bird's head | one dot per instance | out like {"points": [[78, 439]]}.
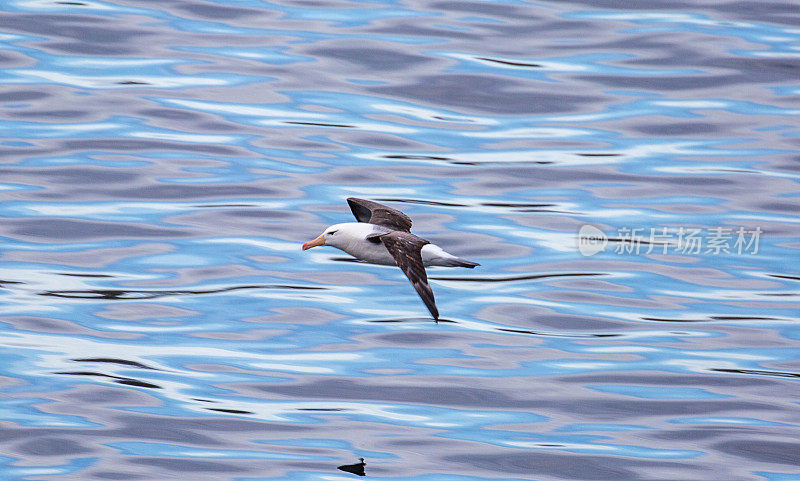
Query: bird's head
{"points": [[330, 237]]}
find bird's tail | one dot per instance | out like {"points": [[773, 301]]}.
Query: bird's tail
{"points": [[459, 262], [433, 255]]}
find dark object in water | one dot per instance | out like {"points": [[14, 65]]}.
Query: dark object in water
{"points": [[357, 468]]}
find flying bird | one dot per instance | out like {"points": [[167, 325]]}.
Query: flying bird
{"points": [[383, 236]]}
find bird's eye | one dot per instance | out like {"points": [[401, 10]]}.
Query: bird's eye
{"points": [[332, 232]]}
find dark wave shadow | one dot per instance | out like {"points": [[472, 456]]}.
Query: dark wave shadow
{"points": [[121, 362], [757, 372], [516, 205], [418, 157], [451, 161], [529, 207], [317, 124], [510, 63], [79, 274], [517, 278], [785, 276], [712, 319], [128, 294], [508, 330], [133, 82], [229, 411], [128, 381], [410, 319], [555, 334], [221, 410]]}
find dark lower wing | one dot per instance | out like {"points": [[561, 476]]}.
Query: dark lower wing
{"points": [[406, 248]]}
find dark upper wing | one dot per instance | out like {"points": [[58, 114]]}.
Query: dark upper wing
{"points": [[406, 250], [375, 213]]}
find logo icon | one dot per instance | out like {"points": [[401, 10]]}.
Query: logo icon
{"points": [[591, 240]]}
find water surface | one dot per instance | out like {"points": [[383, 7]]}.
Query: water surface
{"points": [[161, 163]]}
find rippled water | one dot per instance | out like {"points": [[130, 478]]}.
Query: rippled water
{"points": [[162, 162]]}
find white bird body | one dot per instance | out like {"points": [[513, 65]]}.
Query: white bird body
{"points": [[383, 235], [351, 237]]}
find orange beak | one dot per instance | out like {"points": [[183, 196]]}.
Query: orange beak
{"points": [[314, 243]]}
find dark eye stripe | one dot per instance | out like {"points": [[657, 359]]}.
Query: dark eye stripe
{"points": [[332, 232]]}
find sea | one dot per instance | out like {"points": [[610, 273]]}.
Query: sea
{"points": [[625, 172]]}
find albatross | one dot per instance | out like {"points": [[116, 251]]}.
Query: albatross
{"points": [[383, 236]]}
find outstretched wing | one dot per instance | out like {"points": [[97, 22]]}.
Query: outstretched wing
{"points": [[375, 213], [406, 250]]}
